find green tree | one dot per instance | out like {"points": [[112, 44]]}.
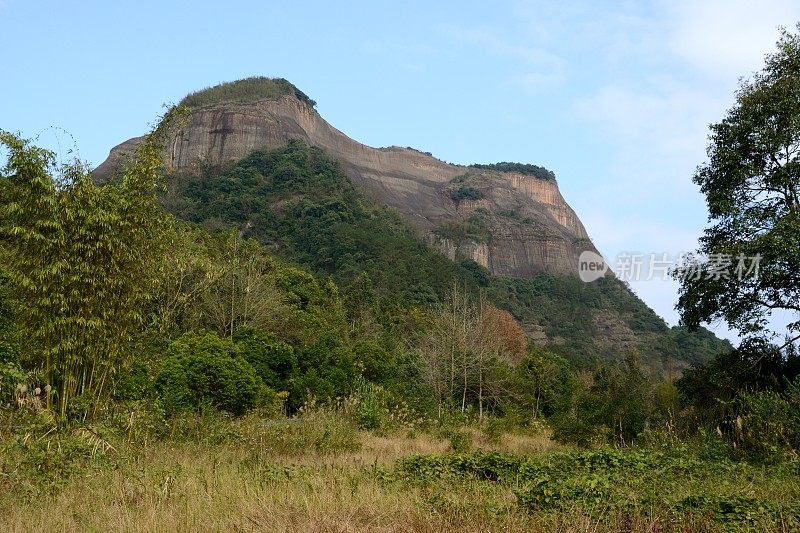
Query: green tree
{"points": [[273, 360], [201, 369], [544, 383], [752, 187], [615, 404], [83, 259]]}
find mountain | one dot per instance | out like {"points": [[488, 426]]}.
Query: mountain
{"points": [[256, 157], [511, 219]]}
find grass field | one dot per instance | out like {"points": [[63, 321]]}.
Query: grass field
{"points": [[321, 474]]}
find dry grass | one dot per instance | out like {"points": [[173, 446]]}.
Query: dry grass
{"points": [[250, 485], [524, 443], [186, 487]]}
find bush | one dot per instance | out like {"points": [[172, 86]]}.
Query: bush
{"points": [[466, 193], [326, 371], [461, 231], [460, 440], [370, 408], [521, 168], [768, 424], [375, 363], [272, 359], [203, 369], [134, 384], [11, 376]]}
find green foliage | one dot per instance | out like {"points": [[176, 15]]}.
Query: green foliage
{"points": [[272, 359], [617, 406], [544, 384], [202, 369], [135, 383], [710, 390], [375, 362], [673, 486], [11, 377], [297, 202], [520, 168], [222, 283], [752, 188], [245, 91], [371, 412], [567, 309], [472, 229], [767, 425], [459, 439], [466, 193], [513, 214], [479, 273], [84, 259], [38, 460], [326, 371], [321, 431]]}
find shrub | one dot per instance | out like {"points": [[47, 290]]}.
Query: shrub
{"points": [[768, 423], [466, 193], [203, 369], [521, 168], [326, 370], [460, 440], [460, 231], [134, 384], [272, 359], [11, 377], [376, 364]]}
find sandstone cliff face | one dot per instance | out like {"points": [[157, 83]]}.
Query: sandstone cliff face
{"points": [[527, 225]]}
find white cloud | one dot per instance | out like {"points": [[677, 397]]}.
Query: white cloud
{"points": [[668, 116], [650, 79], [727, 38], [537, 66], [655, 115]]}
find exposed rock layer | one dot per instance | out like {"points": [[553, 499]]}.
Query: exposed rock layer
{"points": [[526, 225]]}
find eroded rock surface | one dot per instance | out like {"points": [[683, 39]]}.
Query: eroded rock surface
{"points": [[525, 225]]}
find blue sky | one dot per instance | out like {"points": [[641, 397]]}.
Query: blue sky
{"points": [[615, 97]]}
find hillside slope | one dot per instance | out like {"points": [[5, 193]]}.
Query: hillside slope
{"points": [[298, 203]]}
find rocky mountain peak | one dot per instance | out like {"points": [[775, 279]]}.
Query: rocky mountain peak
{"points": [[510, 218]]}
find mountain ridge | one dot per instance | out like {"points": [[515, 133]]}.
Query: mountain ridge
{"points": [[527, 227]]}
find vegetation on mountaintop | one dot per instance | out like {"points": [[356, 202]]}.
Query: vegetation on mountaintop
{"points": [[521, 168], [245, 91]]}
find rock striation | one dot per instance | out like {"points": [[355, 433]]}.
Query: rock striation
{"points": [[511, 223]]}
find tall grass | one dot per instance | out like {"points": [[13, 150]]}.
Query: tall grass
{"points": [[319, 473]]}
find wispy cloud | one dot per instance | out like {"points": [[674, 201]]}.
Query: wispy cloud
{"points": [[674, 73], [533, 67], [726, 38]]}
